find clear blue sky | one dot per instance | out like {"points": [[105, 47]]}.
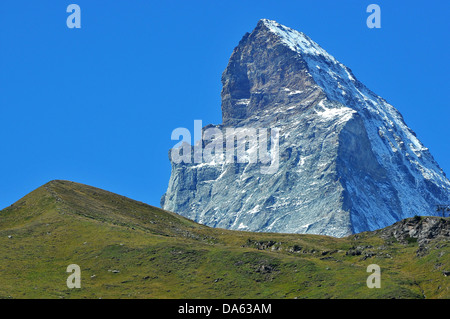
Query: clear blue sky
{"points": [[97, 105]]}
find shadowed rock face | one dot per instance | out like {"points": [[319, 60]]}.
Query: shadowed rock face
{"points": [[348, 162], [262, 74]]}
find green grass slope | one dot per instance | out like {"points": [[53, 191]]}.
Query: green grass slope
{"points": [[127, 249]]}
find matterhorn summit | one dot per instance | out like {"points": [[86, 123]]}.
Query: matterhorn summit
{"points": [[347, 161]]}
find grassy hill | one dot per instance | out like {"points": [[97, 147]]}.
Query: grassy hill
{"points": [[127, 249]]}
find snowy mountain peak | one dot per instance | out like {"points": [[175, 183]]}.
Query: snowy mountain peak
{"points": [[348, 161], [296, 41], [333, 77]]}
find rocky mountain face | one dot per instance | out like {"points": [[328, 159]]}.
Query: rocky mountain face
{"points": [[347, 161]]}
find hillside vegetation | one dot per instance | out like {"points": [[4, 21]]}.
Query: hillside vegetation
{"points": [[127, 249]]}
